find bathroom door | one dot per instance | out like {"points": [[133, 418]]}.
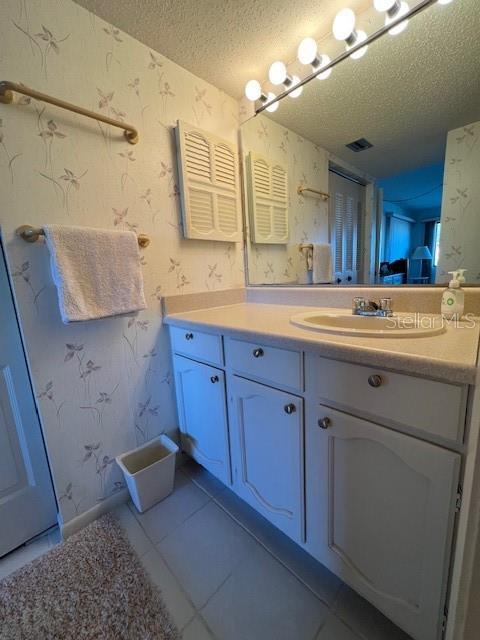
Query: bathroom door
{"points": [[27, 501]]}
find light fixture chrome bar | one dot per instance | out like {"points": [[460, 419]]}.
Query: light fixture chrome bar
{"points": [[394, 9], [346, 54]]}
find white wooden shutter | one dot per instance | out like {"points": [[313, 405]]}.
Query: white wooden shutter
{"points": [[268, 200], [345, 216], [209, 185]]}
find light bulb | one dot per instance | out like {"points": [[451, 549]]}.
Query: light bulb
{"points": [[307, 51], [344, 24], [361, 37], [298, 91], [324, 61], [394, 31], [253, 90], [277, 72], [384, 5], [444, 1], [273, 107]]}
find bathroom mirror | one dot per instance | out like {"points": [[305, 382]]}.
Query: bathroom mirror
{"points": [[393, 140]]}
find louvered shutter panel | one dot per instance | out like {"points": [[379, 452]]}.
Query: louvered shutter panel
{"points": [[346, 238], [209, 185], [338, 234], [268, 200], [349, 234]]}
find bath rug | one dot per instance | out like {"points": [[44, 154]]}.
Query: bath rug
{"points": [[90, 587]]}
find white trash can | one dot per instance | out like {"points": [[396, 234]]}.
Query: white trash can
{"points": [[149, 471]]}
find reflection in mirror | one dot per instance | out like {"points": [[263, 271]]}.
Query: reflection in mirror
{"points": [[372, 175]]}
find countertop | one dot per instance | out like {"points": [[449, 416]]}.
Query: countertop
{"points": [[450, 356]]}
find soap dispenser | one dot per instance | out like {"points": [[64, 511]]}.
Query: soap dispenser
{"points": [[453, 297]]}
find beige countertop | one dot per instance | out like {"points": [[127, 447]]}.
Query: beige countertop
{"points": [[450, 356]]}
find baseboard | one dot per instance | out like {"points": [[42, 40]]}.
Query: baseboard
{"points": [[79, 522]]}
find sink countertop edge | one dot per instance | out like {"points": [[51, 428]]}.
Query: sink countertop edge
{"points": [[347, 349]]}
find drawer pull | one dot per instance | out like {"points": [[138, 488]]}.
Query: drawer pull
{"points": [[290, 408], [324, 423], [214, 379], [258, 353], [375, 380], [189, 336]]}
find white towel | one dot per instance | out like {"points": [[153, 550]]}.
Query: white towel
{"points": [[97, 272], [322, 264]]}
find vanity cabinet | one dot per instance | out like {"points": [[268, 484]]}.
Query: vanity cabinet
{"points": [[267, 452], [359, 465], [202, 415], [380, 513]]}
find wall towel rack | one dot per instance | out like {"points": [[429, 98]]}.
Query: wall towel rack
{"points": [[324, 196], [7, 89], [303, 246], [31, 234]]}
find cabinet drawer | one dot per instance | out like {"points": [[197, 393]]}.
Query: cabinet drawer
{"points": [[268, 364], [435, 407], [196, 344]]}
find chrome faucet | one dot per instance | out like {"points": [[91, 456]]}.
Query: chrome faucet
{"points": [[365, 307]]}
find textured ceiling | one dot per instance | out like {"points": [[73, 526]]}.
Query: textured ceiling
{"points": [[225, 42], [404, 95]]}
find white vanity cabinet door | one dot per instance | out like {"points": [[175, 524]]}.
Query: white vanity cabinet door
{"points": [[267, 453], [380, 513], [202, 414]]}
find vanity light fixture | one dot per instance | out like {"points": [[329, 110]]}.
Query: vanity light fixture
{"points": [[325, 61], [277, 74], [298, 91], [307, 53], [344, 29], [253, 90], [397, 15], [394, 9], [274, 106]]}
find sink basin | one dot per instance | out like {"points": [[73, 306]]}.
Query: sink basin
{"points": [[401, 325]]}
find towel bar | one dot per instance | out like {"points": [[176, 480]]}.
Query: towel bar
{"points": [[301, 190], [7, 89], [31, 234]]}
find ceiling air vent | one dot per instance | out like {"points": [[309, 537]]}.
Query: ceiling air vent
{"points": [[359, 145]]}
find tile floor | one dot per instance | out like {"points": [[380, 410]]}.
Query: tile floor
{"points": [[227, 574], [29, 551]]}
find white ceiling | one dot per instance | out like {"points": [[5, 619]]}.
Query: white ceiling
{"points": [[403, 96], [225, 42]]}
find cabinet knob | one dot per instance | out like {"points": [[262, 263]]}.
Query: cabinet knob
{"points": [[375, 380], [189, 336], [290, 408], [324, 423], [258, 353], [214, 379]]}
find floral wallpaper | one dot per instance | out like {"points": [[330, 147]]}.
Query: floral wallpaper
{"points": [[105, 385], [460, 231], [307, 164]]}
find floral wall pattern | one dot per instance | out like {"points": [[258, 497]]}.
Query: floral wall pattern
{"points": [[307, 164], [102, 386], [460, 232]]}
